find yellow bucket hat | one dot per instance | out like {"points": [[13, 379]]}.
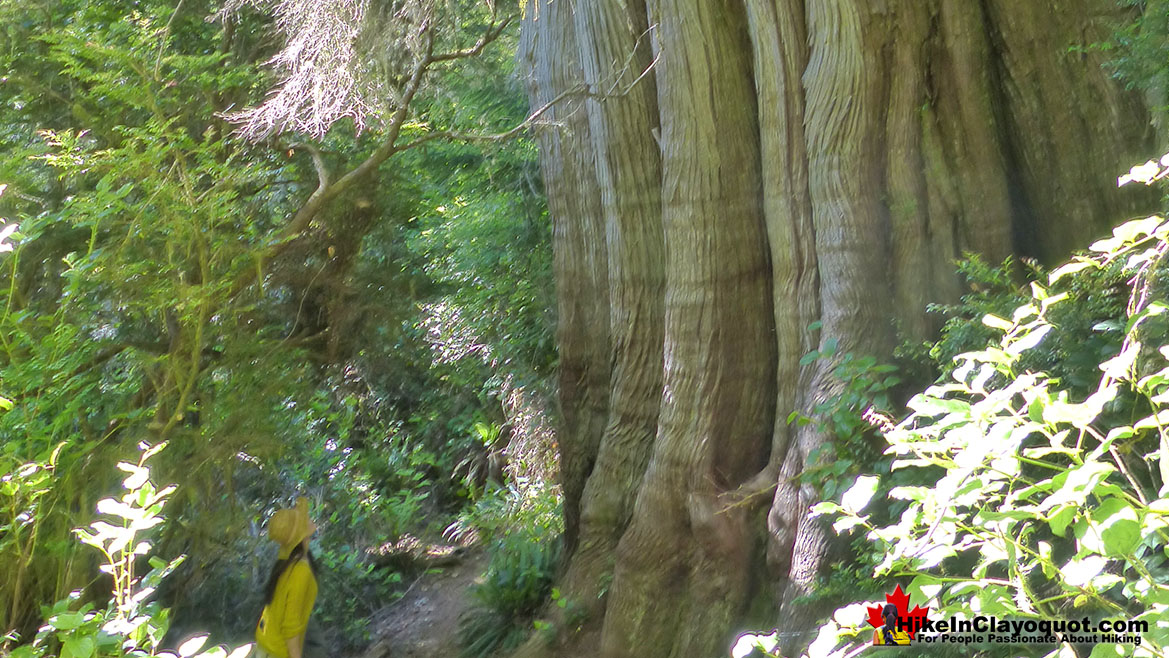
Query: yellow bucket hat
{"points": [[289, 527]]}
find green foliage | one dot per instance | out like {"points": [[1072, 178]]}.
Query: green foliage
{"points": [[351, 591], [1088, 328], [1136, 48], [993, 290], [860, 384], [521, 526], [154, 292], [1037, 502], [517, 584], [132, 624], [525, 510]]}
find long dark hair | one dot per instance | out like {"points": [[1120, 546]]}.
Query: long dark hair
{"points": [[297, 553]]}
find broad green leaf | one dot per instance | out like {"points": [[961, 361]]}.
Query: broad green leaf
{"points": [[1073, 486], [1069, 268], [910, 493], [1033, 338], [77, 647], [1137, 228], [66, 621], [809, 357], [1119, 526], [138, 475], [926, 405], [1078, 573], [1159, 419], [1060, 519], [825, 508], [860, 493], [1119, 366], [118, 508], [846, 523]]}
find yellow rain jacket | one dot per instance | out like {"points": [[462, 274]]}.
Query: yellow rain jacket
{"points": [[287, 615]]}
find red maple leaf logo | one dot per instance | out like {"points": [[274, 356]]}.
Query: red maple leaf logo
{"points": [[915, 618]]}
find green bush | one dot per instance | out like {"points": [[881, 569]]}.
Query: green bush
{"points": [[517, 584], [526, 509], [131, 624], [1038, 501]]}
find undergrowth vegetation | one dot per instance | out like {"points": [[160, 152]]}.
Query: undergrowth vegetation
{"points": [[132, 623], [153, 292], [520, 526], [1032, 480]]}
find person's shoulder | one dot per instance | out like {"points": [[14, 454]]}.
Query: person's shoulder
{"points": [[302, 567]]}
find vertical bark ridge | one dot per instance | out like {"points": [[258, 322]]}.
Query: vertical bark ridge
{"points": [[629, 172], [779, 48], [844, 88], [580, 260], [969, 141], [682, 565], [779, 40], [905, 179], [842, 128]]}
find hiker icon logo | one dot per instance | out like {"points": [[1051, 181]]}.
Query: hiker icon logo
{"points": [[894, 623]]}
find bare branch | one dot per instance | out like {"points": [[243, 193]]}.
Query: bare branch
{"points": [[326, 190], [484, 41], [386, 149], [577, 90], [306, 213]]}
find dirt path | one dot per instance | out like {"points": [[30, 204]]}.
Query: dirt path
{"points": [[425, 622]]}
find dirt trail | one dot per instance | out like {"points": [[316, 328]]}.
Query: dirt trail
{"points": [[425, 622]]}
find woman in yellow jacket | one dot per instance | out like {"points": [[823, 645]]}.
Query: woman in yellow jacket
{"points": [[292, 587]]}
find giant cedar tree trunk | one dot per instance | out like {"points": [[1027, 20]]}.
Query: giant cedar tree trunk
{"points": [[784, 161]]}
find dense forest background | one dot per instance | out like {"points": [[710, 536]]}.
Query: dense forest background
{"points": [[632, 298]]}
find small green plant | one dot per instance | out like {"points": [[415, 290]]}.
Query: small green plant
{"points": [[862, 384], [131, 624], [517, 584], [756, 645], [475, 469]]}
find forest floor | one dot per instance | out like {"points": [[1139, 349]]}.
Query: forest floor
{"points": [[425, 622]]}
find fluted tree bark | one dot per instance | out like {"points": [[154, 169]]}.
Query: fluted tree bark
{"points": [[764, 166]]}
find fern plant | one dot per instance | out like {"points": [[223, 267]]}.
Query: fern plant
{"points": [[518, 583]]}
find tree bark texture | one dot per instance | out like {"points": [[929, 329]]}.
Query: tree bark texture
{"points": [[580, 257], [782, 163]]}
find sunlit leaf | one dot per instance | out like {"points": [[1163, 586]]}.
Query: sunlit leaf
{"points": [[192, 646], [995, 322], [860, 493]]}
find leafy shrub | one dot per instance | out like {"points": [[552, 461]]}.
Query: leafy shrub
{"points": [[131, 624], [1037, 502], [351, 591], [518, 583], [527, 509], [1087, 320], [521, 524], [860, 383]]}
